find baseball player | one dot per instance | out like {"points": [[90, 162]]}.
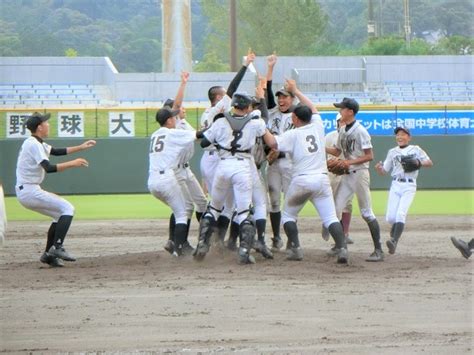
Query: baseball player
{"points": [[335, 180], [279, 166], [234, 134], [166, 146], [403, 188], [355, 144], [190, 188], [33, 162], [305, 146], [220, 102], [463, 247]]}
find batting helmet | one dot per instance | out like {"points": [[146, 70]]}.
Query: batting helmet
{"points": [[241, 100]]}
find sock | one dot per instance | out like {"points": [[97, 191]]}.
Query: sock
{"points": [[291, 231], [346, 222], [222, 225], [261, 224], [180, 234], [336, 231], [397, 230], [172, 226], [51, 233], [234, 231], [375, 233], [187, 230], [199, 215], [62, 228], [275, 220]]}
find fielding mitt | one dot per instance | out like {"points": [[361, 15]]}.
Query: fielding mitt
{"points": [[338, 166], [410, 163], [272, 156]]}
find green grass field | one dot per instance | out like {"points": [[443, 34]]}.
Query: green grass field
{"points": [[452, 202]]}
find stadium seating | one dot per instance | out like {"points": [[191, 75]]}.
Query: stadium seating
{"points": [[48, 94], [441, 92]]}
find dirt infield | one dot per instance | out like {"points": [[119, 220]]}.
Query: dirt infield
{"points": [[126, 294]]}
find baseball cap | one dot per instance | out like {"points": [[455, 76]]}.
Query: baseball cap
{"points": [[404, 129], [241, 100], [163, 114], [35, 120], [303, 112], [284, 92], [349, 103], [168, 103]]}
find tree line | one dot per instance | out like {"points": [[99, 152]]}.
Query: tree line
{"points": [[129, 31]]}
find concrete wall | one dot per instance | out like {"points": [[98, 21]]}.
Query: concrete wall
{"points": [[121, 165]]}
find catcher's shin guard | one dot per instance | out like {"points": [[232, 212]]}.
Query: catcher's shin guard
{"points": [[247, 236], [206, 226]]}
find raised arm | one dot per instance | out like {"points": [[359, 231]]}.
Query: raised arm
{"points": [[271, 61], [234, 84], [290, 85], [178, 100], [260, 95]]}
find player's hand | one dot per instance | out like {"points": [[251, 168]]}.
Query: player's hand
{"points": [[259, 92], [262, 81], [271, 60], [80, 162], [250, 57], [88, 144], [379, 168], [184, 77], [290, 85]]}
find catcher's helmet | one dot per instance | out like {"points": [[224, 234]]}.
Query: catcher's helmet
{"points": [[241, 100]]}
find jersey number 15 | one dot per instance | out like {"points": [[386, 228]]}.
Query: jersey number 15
{"points": [[157, 144]]}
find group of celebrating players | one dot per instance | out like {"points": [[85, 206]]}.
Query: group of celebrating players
{"points": [[244, 137]]}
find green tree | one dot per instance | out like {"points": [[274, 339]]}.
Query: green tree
{"points": [[70, 52], [455, 45], [211, 63]]}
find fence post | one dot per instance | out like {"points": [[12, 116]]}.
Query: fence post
{"points": [[146, 124], [96, 123]]}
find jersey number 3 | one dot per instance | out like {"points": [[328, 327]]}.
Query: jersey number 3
{"points": [[313, 147], [157, 144]]}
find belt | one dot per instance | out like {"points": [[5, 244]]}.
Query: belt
{"points": [[162, 172], [211, 152], [20, 187], [352, 172], [403, 179], [185, 165], [233, 158]]}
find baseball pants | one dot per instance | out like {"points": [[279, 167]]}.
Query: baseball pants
{"points": [[191, 190], [400, 197], [278, 179]]}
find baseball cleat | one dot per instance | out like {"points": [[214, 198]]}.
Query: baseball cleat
{"points": [[52, 261], [462, 246], [277, 243], [245, 257], [349, 240], [187, 248], [333, 251], [342, 256], [169, 246], [295, 254], [391, 245], [377, 255], [201, 250], [61, 253], [261, 248]]}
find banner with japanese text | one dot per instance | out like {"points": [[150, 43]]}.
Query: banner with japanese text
{"points": [[70, 124], [16, 124], [121, 124]]}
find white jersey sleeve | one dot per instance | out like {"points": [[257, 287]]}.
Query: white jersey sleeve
{"points": [[207, 117]]}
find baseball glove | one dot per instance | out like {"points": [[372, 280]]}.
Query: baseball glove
{"points": [[272, 156], [410, 163], [338, 166]]}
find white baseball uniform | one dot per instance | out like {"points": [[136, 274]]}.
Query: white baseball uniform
{"points": [[235, 166], [403, 188], [30, 174], [279, 172], [165, 148], [309, 181], [352, 143], [190, 186]]}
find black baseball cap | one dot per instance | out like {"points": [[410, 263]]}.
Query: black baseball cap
{"points": [[303, 112], [241, 100], [35, 120], [284, 92], [349, 103], [163, 114], [404, 129], [169, 103]]}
